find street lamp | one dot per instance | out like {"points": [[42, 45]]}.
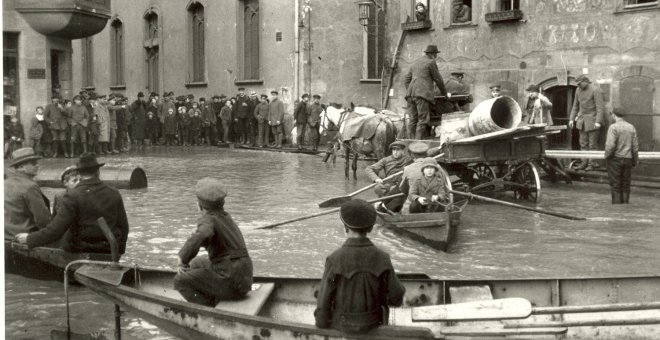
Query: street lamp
{"points": [[364, 8]]}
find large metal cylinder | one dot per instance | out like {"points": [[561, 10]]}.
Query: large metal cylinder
{"points": [[494, 114], [118, 177]]}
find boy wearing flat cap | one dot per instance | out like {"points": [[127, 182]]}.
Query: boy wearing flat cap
{"points": [[359, 282], [226, 274]]}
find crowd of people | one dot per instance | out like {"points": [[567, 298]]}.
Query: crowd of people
{"points": [[110, 124]]}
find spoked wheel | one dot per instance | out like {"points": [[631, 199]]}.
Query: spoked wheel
{"points": [[479, 174], [527, 177]]}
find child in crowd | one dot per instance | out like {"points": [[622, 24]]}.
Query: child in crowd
{"points": [[94, 133], [70, 179], [36, 130], [169, 127], [183, 122], [428, 192], [195, 125], [152, 128], [225, 117], [14, 133]]}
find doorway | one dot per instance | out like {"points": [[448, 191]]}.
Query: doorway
{"points": [[10, 76], [561, 98]]}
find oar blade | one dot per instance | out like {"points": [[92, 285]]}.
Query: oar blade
{"points": [[511, 308], [334, 202]]}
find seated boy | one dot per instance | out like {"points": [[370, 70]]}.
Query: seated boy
{"points": [[428, 192], [70, 179], [359, 282]]}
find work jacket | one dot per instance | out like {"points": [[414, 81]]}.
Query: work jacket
{"points": [[225, 114], [358, 285], [261, 112], [427, 187], [389, 166], [588, 108], [78, 115], [314, 111], [80, 209], [420, 78], [300, 114], [26, 207], [242, 107], [621, 141], [169, 125], [275, 112], [56, 117]]}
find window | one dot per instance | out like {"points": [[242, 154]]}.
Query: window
{"points": [[461, 11], [198, 56], [249, 38], [420, 10], [10, 73], [87, 62], [152, 53], [373, 38], [639, 3], [509, 5], [117, 52]]}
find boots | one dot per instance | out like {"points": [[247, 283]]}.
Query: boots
{"points": [[616, 197], [279, 142], [625, 197]]}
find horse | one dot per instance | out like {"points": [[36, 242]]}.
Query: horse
{"points": [[362, 130]]}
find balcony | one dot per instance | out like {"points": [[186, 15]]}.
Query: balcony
{"points": [[416, 25], [69, 19]]}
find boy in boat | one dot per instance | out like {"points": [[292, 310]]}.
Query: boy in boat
{"points": [[428, 192], [70, 179], [226, 274], [388, 166], [413, 171], [359, 282]]}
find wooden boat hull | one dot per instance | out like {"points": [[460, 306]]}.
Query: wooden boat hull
{"points": [[288, 312], [427, 228], [43, 262]]}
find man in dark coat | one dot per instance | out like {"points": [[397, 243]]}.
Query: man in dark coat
{"points": [[300, 116], [139, 119], [80, 209], [226, 273], [241, 117], [455, 86], [420, 91], [78, 115], [55, 115], [261, 114], [588, 115], [389, 166], [359, 282], [314, 120], [216, 107], [252, 119], [208, 122]]}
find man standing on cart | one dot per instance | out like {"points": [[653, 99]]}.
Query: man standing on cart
{"points": [[588, 114], [419, 91]]}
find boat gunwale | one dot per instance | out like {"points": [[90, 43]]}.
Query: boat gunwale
{"points": [[387, 219]]}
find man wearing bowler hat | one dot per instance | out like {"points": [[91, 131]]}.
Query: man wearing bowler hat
{"points": [[420, 95], [587, 115], [26, 207], [80, 209], [359, 282], [388, 166]]}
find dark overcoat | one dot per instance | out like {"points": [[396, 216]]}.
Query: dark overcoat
{"points": [[420, 78]]}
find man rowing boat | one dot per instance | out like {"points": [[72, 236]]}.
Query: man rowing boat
{"points": [[388, 166]]}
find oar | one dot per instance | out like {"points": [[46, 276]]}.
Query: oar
{"points": [[514, 308], [337, 201], [326, 212], [514, 205]]}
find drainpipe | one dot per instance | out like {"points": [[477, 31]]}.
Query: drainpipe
{"points": [[296, 60]]}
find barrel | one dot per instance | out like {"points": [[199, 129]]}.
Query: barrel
{"points": [[494, 114], [120, 177]]}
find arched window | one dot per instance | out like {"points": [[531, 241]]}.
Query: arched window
{"points": [[117, 52], [198, 57], [151, 42]]}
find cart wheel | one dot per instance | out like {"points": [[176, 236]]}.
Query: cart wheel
{"points": [[479, 174], [574, 164], [528, 177]]}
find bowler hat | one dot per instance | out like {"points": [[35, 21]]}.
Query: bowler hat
{"points": [[274, 92], [210, 190], [153, 94], [140, 94], [23, 155], [66, 171], [430, 162], [88, 160], [582, 78], [619, 111], [358, 214], [305, 95], [316, 96], [398, 144], [532, 88], [431, 49], [418, 147], [202, 99]]}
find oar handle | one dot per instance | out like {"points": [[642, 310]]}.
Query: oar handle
{"points": [[514, 205], [325, 212]]}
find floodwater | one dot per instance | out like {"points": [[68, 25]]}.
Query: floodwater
{"points": [[266, 187]]}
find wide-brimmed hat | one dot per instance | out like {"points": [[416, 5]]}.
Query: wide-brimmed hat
{"points": [[418, 147], [431, 49], [358, 214], [67, 170], [430, 162], [23, 155], [88, 160], [398, 144], [210, 190], [533, 88], [582, 78]]}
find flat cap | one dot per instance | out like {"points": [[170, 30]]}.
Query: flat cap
{"points": [[619, 111], [495, 87], [532, 88], [69, 169], [582, 78], [316, 96], [210, 190], [418, 147], [358, 214], [398, 144]]}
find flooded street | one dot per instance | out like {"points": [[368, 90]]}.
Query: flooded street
{"points": [[266, 187]]}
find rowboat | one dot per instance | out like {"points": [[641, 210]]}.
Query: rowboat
{"points": [[43, 262], [427, 228], [282, 308]]}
